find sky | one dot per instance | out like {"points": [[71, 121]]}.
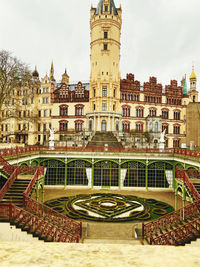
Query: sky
{"points": [[159, 37]]}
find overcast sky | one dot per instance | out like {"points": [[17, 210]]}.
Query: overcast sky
{"points": [[159, 37]]}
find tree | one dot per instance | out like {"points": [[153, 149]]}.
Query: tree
{"points": [[17, 89], [13, 74]]}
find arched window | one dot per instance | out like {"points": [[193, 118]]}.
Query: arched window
{"points": [[90, 125], [139, 127], [165, 114], [126, 111], [176, 115], [126, 126], [139, 112], [79, 125], [117, 126], [63, 125], [165, 127], [176, 129], [79, 110], [156, 127], [150, 127], [64, 110], [152, 112], [103, 125], [176, 143]]}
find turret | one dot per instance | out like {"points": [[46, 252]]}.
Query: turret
{"points": [[65, 77], [185, 90], [193, 93], [51, 76]]}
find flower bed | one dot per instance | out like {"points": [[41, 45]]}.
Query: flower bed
{"points": [[109, 207]]}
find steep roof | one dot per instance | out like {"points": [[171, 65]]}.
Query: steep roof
{"points": [[99, 8], [185, 91], [193, 75]]}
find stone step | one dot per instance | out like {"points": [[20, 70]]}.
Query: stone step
{"points": [[112, 241], [102, 138]]}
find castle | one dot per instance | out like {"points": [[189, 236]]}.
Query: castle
{"points": [[135, 113]]}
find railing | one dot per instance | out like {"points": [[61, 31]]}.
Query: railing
{"points": [[178, 234], [192, 173], [38, 171], [21, 150], [185, 152], [18, 150], [149, 229], [35, 224], [67, 230], [182, 174], [175, 217], [27, 169], [54, 217], [9, 182], [6, 166]]}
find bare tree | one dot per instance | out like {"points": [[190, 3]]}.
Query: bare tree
{"points": [[17, 89], [13, 73]]}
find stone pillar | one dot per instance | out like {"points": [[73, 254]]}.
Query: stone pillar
{"points": [[120, 125], [113, 123], [99, 124], [87, 124], [109, 123], [95, 123]]}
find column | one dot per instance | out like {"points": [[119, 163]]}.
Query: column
{"points": [[119, 173], [92, 173], [176, 200], [65, 172], [99, 124], [120, 125], [95, 123], [109, 123], [146, 174], [87, 124]]}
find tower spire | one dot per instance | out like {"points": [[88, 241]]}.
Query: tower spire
{"points": [[185, 91], [193, 86], [52, 72]]}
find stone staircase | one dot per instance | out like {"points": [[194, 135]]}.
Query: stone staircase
{"points": [[101, 233], [197, 186], [183, 234], [100, 139], [16, 191]]}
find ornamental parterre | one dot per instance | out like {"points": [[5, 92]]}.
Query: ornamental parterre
{"points": [[109, 207]]}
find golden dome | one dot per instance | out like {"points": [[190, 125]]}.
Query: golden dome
{"points": [[193, 75]]}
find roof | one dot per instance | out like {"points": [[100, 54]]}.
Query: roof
{"points": [[185, 91], [99, 8], [73, 85], [193, 75]]}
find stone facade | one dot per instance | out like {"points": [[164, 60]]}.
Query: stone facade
{"points": [[193, 125], [133, 111]]}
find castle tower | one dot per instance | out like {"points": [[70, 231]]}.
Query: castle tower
{"points": [[193, 93], [105, 25], [65, 77], [51, 76]]}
